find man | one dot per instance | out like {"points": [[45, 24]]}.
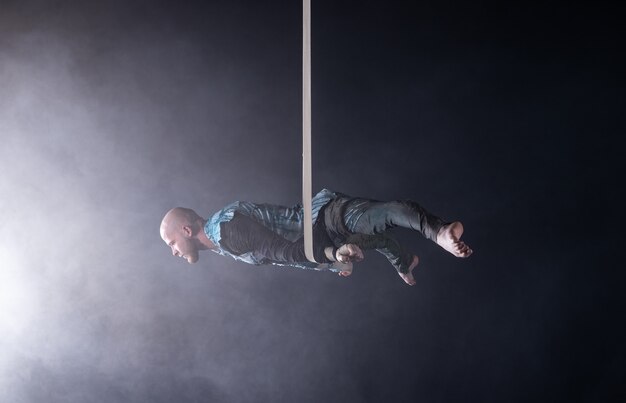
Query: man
{"points": [[344, 225]]}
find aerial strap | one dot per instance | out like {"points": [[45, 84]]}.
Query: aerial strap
{"points": [[307, 180]]}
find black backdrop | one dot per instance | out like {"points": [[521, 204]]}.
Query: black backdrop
{"points": [[503, 116]]}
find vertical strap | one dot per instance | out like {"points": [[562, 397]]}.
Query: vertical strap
{"points": [[307, 181]]}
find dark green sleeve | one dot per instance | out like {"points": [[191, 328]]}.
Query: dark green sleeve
{"points": [[243, 234]]}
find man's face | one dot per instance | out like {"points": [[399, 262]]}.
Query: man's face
{"points": [[181, 245]]}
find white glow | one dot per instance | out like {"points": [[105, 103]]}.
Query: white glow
{"points": [[18, 302]]}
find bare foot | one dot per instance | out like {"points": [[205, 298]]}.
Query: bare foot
{"points": [[408, 277], [449, 238]]}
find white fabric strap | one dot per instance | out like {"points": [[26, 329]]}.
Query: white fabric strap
{"points": [[307, 180]]}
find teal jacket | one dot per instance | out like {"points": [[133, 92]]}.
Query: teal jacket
{"points": [[288, 222]]}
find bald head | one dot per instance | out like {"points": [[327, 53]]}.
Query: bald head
{"points": [[182, 230], [180, 216]]}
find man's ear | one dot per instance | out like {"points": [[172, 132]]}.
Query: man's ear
{"points": [[187, 231]]}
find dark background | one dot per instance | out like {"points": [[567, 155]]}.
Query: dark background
{"points": [[503, 116]]}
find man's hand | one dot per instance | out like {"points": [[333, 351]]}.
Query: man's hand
{"points": [[349, 253]]}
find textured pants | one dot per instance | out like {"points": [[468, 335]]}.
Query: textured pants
{"points": [[364, 222]]}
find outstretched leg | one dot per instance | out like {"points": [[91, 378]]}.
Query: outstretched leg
{"points": [[364, 216], [374, 217], [449, 238]]}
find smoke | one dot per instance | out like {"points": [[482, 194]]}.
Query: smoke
{"points": [[82, 263], [106, 124], [113, 112]]}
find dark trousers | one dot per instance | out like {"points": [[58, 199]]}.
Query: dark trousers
{"points": [[367, 220]]}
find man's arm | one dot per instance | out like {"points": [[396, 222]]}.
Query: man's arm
{"points": [[243, 234]]}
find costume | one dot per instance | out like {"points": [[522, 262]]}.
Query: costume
{"points": [[286, 223], [239, 229]]}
